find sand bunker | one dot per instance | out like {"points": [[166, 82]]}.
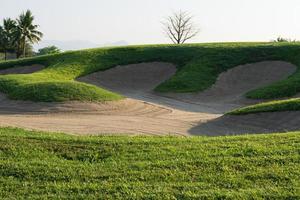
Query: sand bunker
{"points": [[229, 90], [131, 80], [234, 83], [146, 112], [22, 69]]}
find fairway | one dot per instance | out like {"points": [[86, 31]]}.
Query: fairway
{"points": [[39, 165]]}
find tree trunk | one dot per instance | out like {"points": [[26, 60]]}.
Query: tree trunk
{"points": [[5, 55], [24, 48], [18, 50]]}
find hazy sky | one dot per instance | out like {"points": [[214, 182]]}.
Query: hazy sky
{"points": [[138, 21]]}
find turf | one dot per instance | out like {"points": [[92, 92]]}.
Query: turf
{"points": [[36, 165], [271, 106], [198, 68]]}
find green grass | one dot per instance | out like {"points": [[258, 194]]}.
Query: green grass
{"points": [[198, 68], [272, 106], [36, 165]]}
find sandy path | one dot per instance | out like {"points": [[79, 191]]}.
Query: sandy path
{"points": [[146, 112]]}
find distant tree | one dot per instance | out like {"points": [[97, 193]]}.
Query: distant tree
{"points": [[2, 39], [26, 31], [29, 50], [48, 50], [281, 39], [7, 35], [180, 27], [18, 35]]}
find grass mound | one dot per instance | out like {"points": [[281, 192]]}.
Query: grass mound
{"points": [[57, 91], [198, 68], [272, 106], [39, 165]]}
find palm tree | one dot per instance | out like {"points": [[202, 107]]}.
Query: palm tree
{"points": [[7, 35], [2, 39], [27, 31]]}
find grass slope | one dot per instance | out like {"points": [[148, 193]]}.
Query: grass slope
{"points": [[37, 165], [272, 106], [198, 68]]}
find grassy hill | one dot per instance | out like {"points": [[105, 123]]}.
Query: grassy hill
{"points": [[37, 165], [198, 68]]}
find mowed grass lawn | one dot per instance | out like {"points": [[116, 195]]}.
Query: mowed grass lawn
{"points": [[36, 165]]}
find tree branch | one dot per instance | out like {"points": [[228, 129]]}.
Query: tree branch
{"points": [[180, 27]]}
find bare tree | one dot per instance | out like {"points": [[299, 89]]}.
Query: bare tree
{"points": [[180, 27]]}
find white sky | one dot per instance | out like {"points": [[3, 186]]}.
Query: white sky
{"points": [[138, 21]]}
